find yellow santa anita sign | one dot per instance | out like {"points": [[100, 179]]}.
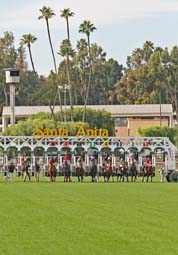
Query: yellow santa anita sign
{"points": [[64, 132]]}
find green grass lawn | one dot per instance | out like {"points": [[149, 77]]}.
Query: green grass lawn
{"points": [[88, 218]]}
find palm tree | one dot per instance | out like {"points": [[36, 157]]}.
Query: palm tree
{"points": [[28, 39], [47, 13], [67, 51], [87, 28], [66, 13]]}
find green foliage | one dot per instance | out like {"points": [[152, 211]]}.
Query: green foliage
{"points": [[150, 72], [95, 118], [66, 49], [105, 73], [28, 88], [87, 28], [27, 128], [40, 116], [170, 132]]}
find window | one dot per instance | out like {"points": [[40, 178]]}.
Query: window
{"points": [[14, 73], [121, 122]]}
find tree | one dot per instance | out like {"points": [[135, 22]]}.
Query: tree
{"points": [[66, 13], [87, 28], [67, 51], [47, 13], [21, 58], [104, 74], [170, 132], [171, 71], [28, 39], [28, 87], [143, 77]]}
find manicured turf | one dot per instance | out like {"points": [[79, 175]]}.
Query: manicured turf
{"points": [[88, 218]]}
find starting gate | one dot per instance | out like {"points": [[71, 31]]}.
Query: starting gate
{"points": [[40, 149]]}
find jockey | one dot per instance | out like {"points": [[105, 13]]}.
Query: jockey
{"points": [[66, 159], [66, 168], [126, 166], [93, 168], [22, 160], [51, 161], [148, 161], [108, 160], [119, 143], [92, 160], [121, 162], [145, 143], [79, 161]]}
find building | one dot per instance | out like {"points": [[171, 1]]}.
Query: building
{"points": [[128, 118]]}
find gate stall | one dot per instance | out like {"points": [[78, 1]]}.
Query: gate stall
{"points": [[9, 157], [118, 158], [66, 151], [105, 153], [161, 158], [50, 154], [79, 151], [91, 152], [25, 153], [132, 155], [146, 155]]}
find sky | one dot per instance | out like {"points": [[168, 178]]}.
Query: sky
{"points": [[122, 26]]}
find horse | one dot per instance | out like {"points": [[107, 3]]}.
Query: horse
{"points": [[147, 172], [93, 169], [107, 171], [119, 171], [125, 172], [79, 170], [66, 170], [52, 172], [133, 171]]}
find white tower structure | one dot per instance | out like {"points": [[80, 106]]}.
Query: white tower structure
{"points": [[12, 76]]}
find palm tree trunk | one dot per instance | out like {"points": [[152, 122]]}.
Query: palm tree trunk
{"points": [[31, 59], [50, 42], [89, 81], [55, 68], [68, 74], [70, 89], [68, 34]]}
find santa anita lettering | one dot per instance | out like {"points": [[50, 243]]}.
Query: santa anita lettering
{"points": [[64, 132], [92, 132]]}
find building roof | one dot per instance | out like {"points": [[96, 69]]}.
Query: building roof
{"points": [[115, 110]]}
